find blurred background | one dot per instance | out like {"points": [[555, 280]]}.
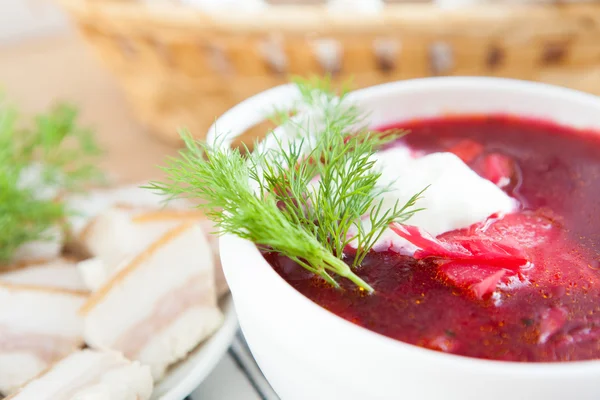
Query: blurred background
{"points": [[43, 59], [140, 69]]}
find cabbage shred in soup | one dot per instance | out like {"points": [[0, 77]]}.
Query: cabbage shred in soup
{"points": [[489, 306]]}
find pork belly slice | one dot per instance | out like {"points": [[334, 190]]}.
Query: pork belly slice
{"points": [[90, 374], [95, 202], [38, 251], [160, 305], [119, 232], [59, 273], [38, 326], [117, 235], [166, 219]]}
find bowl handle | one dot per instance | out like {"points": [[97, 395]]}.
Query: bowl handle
{"points": [[251, 112]]}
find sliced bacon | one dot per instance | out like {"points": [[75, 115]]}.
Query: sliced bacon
{"points": [[196, 292], [46, 347], [87, 379]]}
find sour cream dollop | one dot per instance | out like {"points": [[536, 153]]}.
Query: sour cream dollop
{"points": [[456, 196]]}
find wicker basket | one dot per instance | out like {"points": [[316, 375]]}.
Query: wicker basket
{"points": [[182, 67]]}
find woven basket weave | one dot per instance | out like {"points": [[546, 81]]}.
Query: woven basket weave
{"points": [[183, 67]]}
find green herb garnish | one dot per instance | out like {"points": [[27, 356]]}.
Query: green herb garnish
{"points": [[37, 163], [270, 196]]}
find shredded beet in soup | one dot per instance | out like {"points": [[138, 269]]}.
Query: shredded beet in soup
{"points": [[524, 286]]}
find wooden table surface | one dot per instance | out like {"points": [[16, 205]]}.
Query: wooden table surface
{"points": [[36, 73]]}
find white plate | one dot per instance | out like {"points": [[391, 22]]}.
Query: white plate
{"points": [[186, 376]]}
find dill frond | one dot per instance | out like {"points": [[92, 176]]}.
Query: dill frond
{"points": [[303, 197], [38, 161]]}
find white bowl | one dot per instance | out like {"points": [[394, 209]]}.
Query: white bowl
{"points": [[307, 352]]}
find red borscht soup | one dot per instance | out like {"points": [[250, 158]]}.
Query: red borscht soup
{"points": [[520, 287]]}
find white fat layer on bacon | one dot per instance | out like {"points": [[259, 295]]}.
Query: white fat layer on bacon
{"points": [[157, 276], [114, 238], [37, 327], [91, 375], [456, 198], [94, 272], [190, 328], [197, 291], [114, 235], [94, 202], [40, 311], [59, 273], [41, 250], [111, 236], [17, 368]]}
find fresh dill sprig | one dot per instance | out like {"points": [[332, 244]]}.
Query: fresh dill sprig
{"points": [[38, 161], [348, 182], [305, 195], [223, 180]]}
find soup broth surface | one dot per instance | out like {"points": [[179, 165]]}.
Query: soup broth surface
{"points": [[549, 310]]}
